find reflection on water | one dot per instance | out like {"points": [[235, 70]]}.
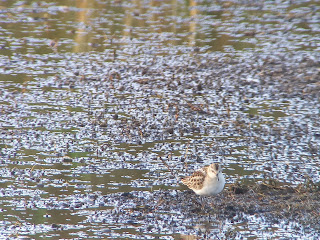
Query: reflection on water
{"points": [[98, 26]]}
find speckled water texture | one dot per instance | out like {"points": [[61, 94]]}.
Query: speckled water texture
{"points": [[106, 105]]}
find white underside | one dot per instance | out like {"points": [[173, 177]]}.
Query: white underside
{"points": [[212, 186]]}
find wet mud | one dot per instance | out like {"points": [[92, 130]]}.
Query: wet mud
{"points": [[96, 133], [278, 206]]}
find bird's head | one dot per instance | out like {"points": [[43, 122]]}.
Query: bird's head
{"points": [[214, 169]]}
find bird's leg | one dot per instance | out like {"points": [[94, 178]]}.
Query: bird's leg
{"points": [[199, 201], [203, 202]]}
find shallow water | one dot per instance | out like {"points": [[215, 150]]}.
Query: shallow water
{"points": [[92, 94]]}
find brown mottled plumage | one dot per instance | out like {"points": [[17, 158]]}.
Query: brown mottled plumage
{"points": [[208, 180], [196, 180]]}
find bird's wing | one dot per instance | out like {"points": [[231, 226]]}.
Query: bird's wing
{"points": [[196, 180]]}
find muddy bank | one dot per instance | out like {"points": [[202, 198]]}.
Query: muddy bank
{"points": [[95, 156], [166, 212], [297, 208]]}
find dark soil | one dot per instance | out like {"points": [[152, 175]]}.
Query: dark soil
{"points": [[236, 205]]}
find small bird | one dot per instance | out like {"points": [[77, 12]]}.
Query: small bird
{"points": [[206, 181]]}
